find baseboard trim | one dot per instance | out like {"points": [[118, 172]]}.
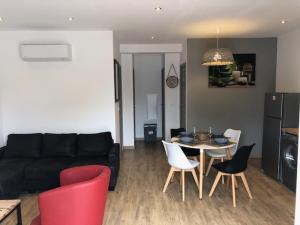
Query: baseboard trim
{"points": [[128, 147], [142, 139]]}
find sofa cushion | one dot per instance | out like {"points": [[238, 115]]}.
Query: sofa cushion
{"points": [[11, 162], [11, 176], [59, 145], [47, 169], [84, 161], [94, 144], [23, 146]]}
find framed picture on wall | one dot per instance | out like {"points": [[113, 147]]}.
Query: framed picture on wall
{"points": [[117, 75], [239, 74]]}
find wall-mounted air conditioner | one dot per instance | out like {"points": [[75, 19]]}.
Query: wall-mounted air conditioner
{"points": [[45, 52]]}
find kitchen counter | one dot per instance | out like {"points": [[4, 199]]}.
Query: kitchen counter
{"points": [[294, 131]]}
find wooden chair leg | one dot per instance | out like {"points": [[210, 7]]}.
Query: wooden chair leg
{"points": [[236, 183], [228, 180], [180, 179], [183, 186], [222, 160], [233, 190], [209, 166], [172, 178], [204, 160], [195, 177], [168, 179], [215, 184], [246, 185]]}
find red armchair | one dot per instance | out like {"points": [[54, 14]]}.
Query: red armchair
{"points": [[79, 201]]}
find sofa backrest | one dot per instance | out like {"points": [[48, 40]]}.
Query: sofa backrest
{"points": [[94, 144], [23, 146], [59, 145]]}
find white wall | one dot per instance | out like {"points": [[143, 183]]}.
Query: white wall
{"points": [[147, 78], [127, 98], [172, 96], [76, 96], [288, 62]]}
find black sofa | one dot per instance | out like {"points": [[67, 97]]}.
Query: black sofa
{"points": [[32, 162]]}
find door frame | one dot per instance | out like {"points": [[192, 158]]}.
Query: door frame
{"points": [[162, 97], [172, 53]]}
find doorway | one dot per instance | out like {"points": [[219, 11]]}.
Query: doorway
{"points": [[171, 57], [148, 94]]}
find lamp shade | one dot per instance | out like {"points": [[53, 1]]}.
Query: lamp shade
{"points": [[217, 57]]}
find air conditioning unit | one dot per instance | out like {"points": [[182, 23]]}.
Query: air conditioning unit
{"points": [[46, 52]]}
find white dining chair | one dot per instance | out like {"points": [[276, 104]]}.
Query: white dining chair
{"points": [[179, 163], [234, 136]]}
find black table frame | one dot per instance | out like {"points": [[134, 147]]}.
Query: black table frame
{"points": [[19, 214]]}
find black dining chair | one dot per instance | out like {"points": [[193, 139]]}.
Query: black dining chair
{"points": [[234, 168], [189, 152]]}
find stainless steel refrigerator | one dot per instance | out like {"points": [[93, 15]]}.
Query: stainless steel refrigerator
{"points": [[281, 111]]}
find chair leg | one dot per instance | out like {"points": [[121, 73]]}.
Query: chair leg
{"points": [[228, 180], [215, 184], [168, 179], [180, 179], [209, 166], [204, 160], [246, 185], [195, 177], [236, 183], [222, 160], [233, 190], [183, 191], [172, 178]]}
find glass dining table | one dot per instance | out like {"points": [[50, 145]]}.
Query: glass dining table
{"points": [[202, 146]]}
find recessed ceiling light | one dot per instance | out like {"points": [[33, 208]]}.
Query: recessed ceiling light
{"points": [[152, 37], [158, 8], [1, 19], [283, 21], [70, 18]]}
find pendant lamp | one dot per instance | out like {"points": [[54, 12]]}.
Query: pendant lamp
{"points": [[217, 56]]}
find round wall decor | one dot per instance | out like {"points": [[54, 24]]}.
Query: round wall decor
{"points": [[172, 80]]}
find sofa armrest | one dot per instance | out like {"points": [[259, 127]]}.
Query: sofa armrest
{"points": [[114, 165], [114, 153], [2, 149]]}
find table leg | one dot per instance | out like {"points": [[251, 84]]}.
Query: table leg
{"points": [[19, 215], [201, 173]]}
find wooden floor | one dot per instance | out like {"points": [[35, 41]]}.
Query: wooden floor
{"points": [[138, 198]]}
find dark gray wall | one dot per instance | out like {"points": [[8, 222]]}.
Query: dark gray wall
{"points": [[237, 108]]}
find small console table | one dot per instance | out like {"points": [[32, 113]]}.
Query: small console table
{"points": [[7, 207]]}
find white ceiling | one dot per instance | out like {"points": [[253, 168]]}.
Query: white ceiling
{"points": [[135, 21]]}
